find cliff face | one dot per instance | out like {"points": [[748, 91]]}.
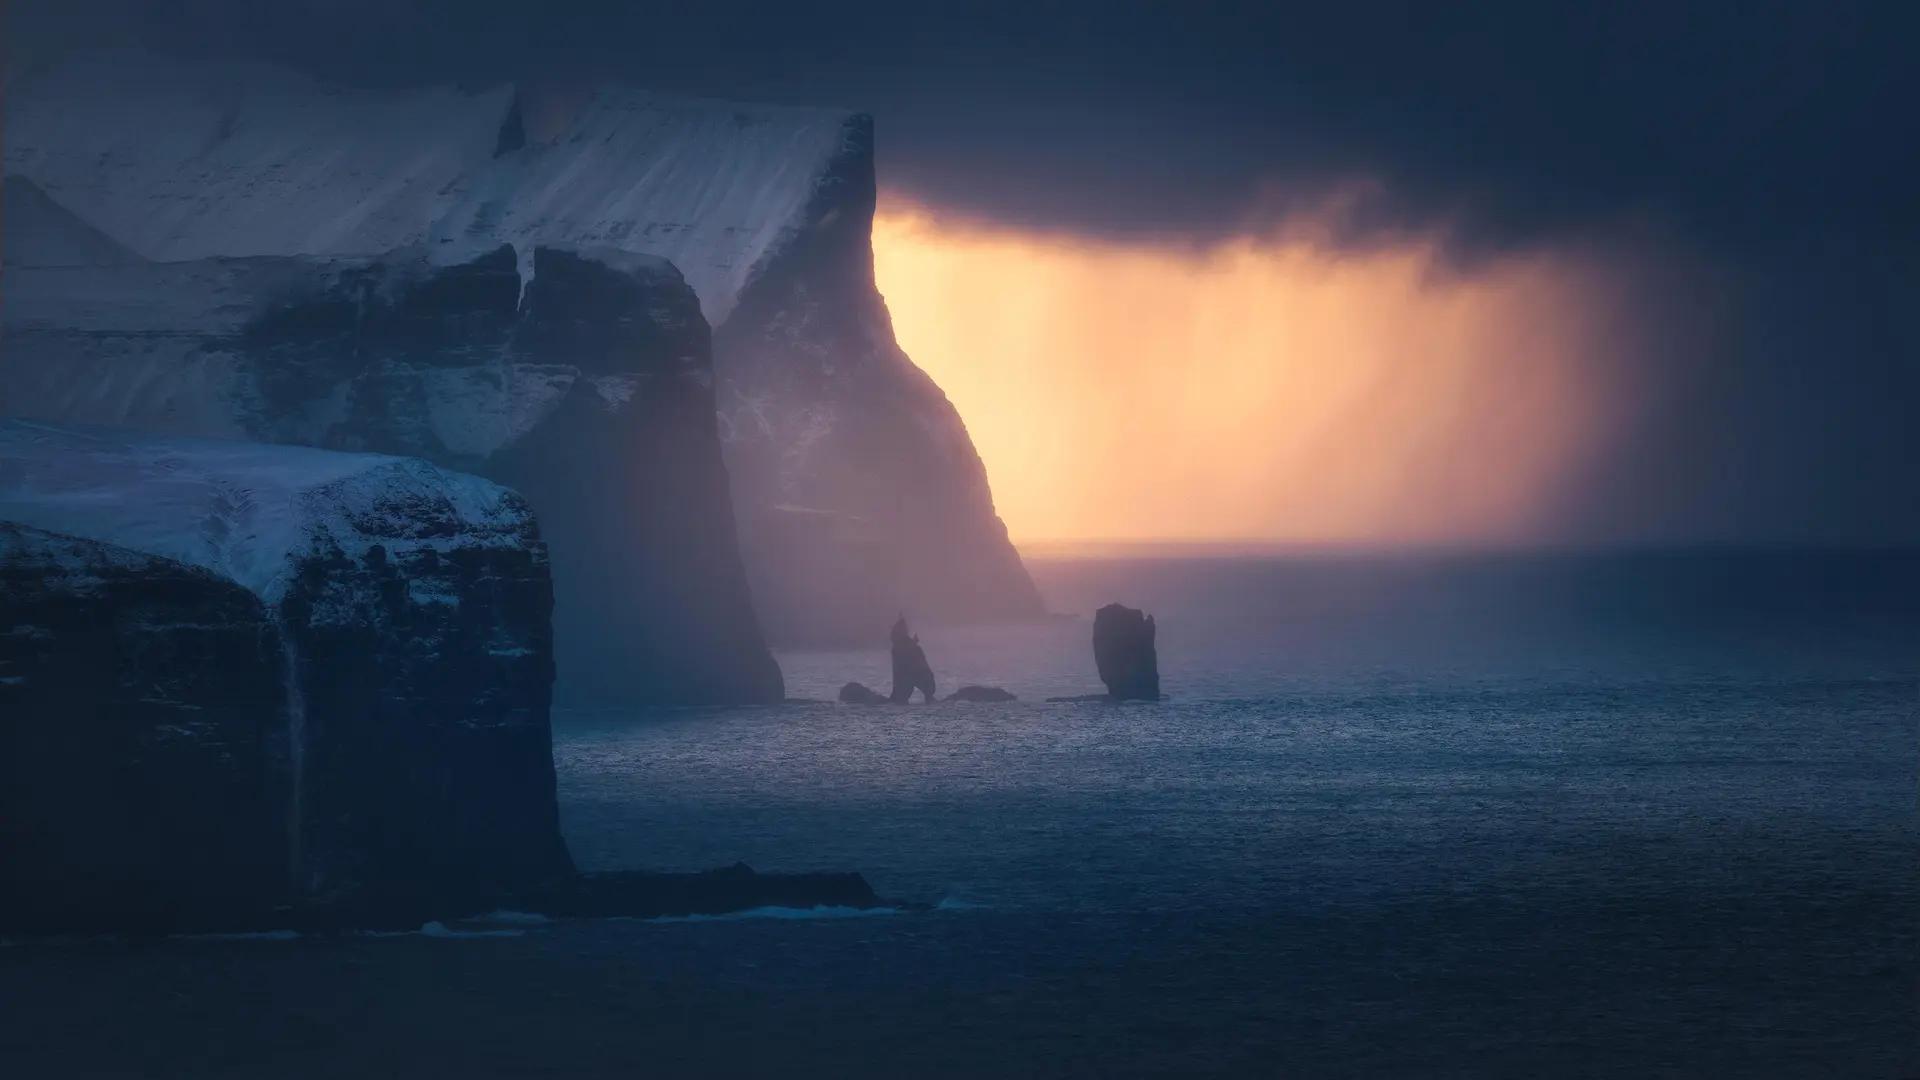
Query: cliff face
{"points": [[860, 493], [580, 377], [142, 728], [585, 384], [243, 676], [857, 489]]}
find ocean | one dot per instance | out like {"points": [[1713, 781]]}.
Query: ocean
{"points": [[1399, 816]]}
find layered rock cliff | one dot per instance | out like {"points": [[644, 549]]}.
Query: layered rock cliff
{"points": [[235, 677], [142, 739], [581, 377], [857, 490]]}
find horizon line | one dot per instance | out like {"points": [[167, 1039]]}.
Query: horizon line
{"points": [[1255, 546]]}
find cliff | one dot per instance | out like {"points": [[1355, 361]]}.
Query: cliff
{"points": [[240, 677], [857, 490], [581, 377]]}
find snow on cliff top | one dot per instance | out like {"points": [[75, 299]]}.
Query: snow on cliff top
{"points": [[247, 511], [180, 161], [183, 161]]}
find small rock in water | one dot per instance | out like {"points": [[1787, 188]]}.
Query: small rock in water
{"points": [[1123, 650], [980, 693], [859, 694]]}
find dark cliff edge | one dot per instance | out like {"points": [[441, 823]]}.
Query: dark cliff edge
{"points": [[580, 378], [586, 385], [860, 493], [142, 733], [241, 677], [246, 686]]}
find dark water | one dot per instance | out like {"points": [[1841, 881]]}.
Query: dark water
{"points": [[1639, 816]]}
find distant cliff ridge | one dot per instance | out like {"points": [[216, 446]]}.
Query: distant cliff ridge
{"points": [[858, 491]]}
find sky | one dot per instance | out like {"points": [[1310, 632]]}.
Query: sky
{"points": [[1553, 273], [1265, 388]]}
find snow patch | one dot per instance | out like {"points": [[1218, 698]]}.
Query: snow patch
{"points": [[512, 918], [437, 929], [182, 160], [246, 511]]}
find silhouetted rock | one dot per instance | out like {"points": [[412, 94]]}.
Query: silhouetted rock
{"points": [[860, 694], [1123, 650], [980, 693], [910, 668]]}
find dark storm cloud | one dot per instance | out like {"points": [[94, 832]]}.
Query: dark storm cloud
{"points": [[1775, 142], [1736, 120]]}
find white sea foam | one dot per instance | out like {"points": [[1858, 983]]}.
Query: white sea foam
{"points": [[438, 929], [777, 912], [512, 918]]}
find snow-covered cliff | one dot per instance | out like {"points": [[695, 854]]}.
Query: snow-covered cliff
{"points": [[579, 376], [184, 160], [857, 488], [237, 675]]}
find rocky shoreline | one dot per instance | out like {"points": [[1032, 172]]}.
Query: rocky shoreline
{"points": [[615, 894]]}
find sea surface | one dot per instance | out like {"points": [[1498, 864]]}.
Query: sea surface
{"points": [[1400, 816]]}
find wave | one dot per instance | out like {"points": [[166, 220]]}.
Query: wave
{"points": [[437, 929], [775, 912], [511, 918]]}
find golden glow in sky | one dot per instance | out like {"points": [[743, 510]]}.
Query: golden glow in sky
{"points": [[1264, 389]]}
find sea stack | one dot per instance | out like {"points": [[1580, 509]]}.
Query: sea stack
{"points": [[1123, 650], [910, 668]]}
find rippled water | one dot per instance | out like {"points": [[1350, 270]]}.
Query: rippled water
{"points": [[1399, 817]]}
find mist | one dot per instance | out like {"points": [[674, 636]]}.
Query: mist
{"points": [[1273, 388]]}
